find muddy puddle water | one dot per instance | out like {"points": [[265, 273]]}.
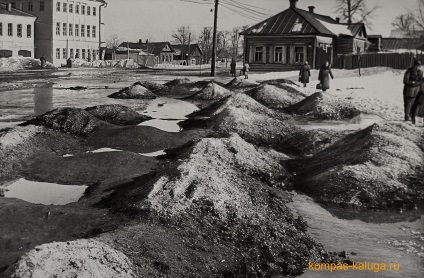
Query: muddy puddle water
{"points": [[43, 193], [401, 242]]}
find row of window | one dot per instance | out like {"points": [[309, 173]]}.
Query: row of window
{"points": [[19, 30], [75, 53], [5, 53], [30, 6], [70, 8], [297, 56], [83, 30]]}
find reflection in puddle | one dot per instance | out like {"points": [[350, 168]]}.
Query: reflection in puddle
{"points": [[105, 150], [44, 193], [154, 154], [165, 125], [43, 100]]}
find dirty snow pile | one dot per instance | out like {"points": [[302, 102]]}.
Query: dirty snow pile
{"points": [[155, 87], [14, 63], [276, 96], [381, 166], [117, 114], [80, 258], [127, 64], [211, 91], [325, 107], [240, 84], [135, 91]]}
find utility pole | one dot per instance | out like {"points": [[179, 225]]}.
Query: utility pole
{"points": [[128, 50], [215, 23], [188, 54], [349, 12]]}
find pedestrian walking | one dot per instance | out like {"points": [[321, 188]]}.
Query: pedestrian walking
{"points": [[418, 106], [246, 69], [305, 74], [412, 81], [324, 77], [43, 62], [233, 68]]}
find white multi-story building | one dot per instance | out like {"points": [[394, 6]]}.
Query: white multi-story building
{"points": [[65, 28], [16, 32]]}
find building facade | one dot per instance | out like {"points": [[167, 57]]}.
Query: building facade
{"points": [[65, 28], [162, 51], [16, 32], [185, 52]]}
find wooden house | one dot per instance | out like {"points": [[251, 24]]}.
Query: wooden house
{"points": [[163, 51], [183, 52], [288, 39], [375, 43]]}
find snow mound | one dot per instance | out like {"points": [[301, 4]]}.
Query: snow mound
{"points": [[324, 106], [154, 87], [14, 63], [80, 258], [275, 97], [378, 167], [135, 91], [177, 82], [281, 81], [211, 91], [71, 120], [117, 114], [239, 83], [128, 64]]}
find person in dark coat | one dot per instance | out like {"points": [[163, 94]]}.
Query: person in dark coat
{"points": [[43, 62], [305, 74], [418, 106], [324, 76], [233, 68], [412, 81]]}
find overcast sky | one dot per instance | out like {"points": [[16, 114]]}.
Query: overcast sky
{"points": [[157, 19]]}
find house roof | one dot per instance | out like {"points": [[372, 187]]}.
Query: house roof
{"points": [[15, 12], [297, 21], [222, 53], [398, 43], [184, 48], [374, 36], [155, 48]]}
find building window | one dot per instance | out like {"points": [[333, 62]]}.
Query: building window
{"points": [[83, 54], [19, 30], [94, 55], [41, 6], [77, 9], [30, 6], [258, 54], [58, 28], [71, 8], [29, 31], [10, 29], [299, 55], [13, 5], [57, 53], [82, 9], [71, 29], [65, 7], [64, 54], [88, 31], [280, 54], [76, 30], [65, 29], [82, 30], [94, 31], [1, 29], [77, 54], [24, 53], [58, 6], [94, 11], [88, 10], [71, 53]]}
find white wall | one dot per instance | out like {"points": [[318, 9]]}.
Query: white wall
{"points": [[14, 42]]}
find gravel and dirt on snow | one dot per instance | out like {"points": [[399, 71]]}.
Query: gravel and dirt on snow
{"points": [[135, 91]]}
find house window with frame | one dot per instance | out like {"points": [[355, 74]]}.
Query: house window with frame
{"points": [[71, 30], [77, 54], [280, 54], [82, 30], [83, 54], [88, 31], [29, 31], [58, 28], [259, 54], [65, 7], [65, 29], [94, 11], [19, 30], [76, 30], [71, 53], [57, 53], [94, 32], [42, 6], [82, 9], [1, 29], [299, 55], [77, 9], [30, 6], [57, 6], [71, 8], [64, 53], [10, 29], [88, 10], [13, 5]]}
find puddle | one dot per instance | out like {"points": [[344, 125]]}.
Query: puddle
{"points": [[165, 125], [401, 242], [360, 122], [43, 193], [104, 150], [154, 154]]}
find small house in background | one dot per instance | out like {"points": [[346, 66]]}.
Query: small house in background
{"points": [[285, 41], [184, 52], [402, 45], [162, 51], [375, 43]]}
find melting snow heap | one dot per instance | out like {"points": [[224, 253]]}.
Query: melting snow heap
{"points": [[211, 91], [135, 91]]}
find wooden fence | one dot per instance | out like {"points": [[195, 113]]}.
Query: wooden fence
{"points": [[368, 60]]}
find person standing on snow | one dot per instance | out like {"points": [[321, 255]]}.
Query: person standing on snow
{"points": [[43, 62], [324, 76], [418, 106], [246, 69], [305, 74], [233, 68], [412, 81]]}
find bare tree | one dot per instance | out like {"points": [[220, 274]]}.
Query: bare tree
{"points": [[412, 23], [113, 41], [356, 11], [205, 42], [182, 35], [223, 40], [405, 23]]}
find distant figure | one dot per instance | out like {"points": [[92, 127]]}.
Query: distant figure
{"points": [[43, 62], [418, 107], [69, 63], [246, 69], [324, 76], [305, 74], [233, 68], [412, 81]]}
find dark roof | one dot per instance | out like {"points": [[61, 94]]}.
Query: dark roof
{"points": [[152, 47], [16, 12], [397, 43], [375, 36], [184, 48], [222, 53], [312, 23]]}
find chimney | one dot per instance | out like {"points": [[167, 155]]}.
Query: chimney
{"points": [[311, 9], [338, 19], [9, 7], [293, 3]]}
